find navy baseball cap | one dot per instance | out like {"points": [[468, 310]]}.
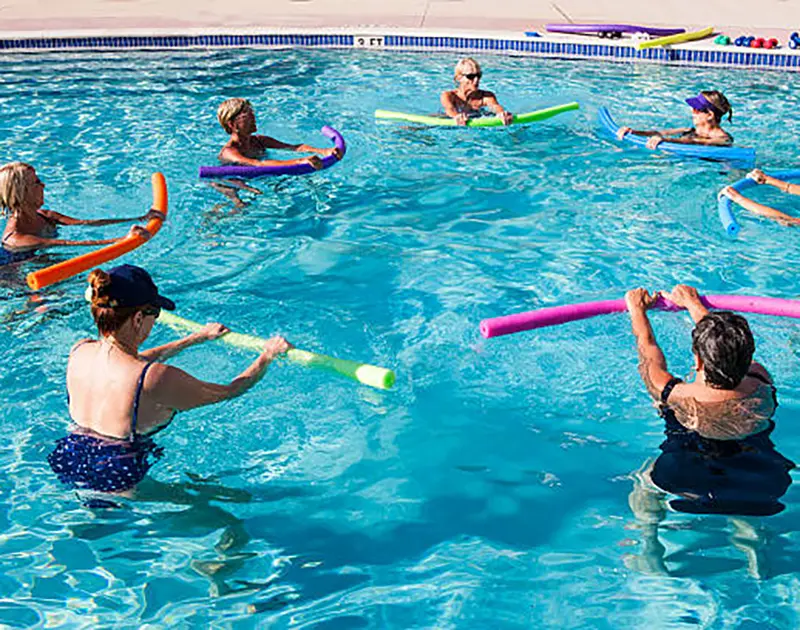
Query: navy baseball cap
{"points": [[133, 286]]}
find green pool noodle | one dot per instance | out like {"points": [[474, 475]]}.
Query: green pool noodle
{"points": [[363, 373], [486, 121]]}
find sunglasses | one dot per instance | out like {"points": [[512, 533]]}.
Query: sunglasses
{"points": [[472, 76], [155, 311]]}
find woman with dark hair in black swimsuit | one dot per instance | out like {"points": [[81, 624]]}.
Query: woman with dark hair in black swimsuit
{"points": [[718, 457]]}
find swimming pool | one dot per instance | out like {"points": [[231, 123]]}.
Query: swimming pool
{"points": [[490, 487]]}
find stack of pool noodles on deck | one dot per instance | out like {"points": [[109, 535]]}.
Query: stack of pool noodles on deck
{"points": [[611, 31], [738, 156], [724, 207]]}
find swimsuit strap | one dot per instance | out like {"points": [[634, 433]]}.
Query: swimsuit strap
{"points": [[763, 379], [668, 388], [139, 386], [5, 238]]}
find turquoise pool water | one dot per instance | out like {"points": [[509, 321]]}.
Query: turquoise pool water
{"points": [[490, 488]]}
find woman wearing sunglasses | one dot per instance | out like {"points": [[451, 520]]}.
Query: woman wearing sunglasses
{"points": [[708, 109], [467, 100], [30, 227], [119, 396]]}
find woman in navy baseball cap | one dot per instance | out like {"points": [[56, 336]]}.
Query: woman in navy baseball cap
{"points": [[120, 396]]}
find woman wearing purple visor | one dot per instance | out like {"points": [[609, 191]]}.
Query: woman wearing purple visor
{"points": [[708, 109]]}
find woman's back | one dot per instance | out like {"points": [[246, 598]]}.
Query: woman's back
{"points": [[106, 387]]}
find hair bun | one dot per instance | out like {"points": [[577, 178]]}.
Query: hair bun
{"points": [[100, 284]]}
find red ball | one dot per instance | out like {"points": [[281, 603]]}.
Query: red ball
{"points": [[771, 43], [757, 43]]}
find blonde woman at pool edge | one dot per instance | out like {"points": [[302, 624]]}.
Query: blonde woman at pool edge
{"points": [[467, 100]]}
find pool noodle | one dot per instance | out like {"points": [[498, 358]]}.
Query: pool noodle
{"points": [[676, 39], [371, 375], [485, 121], [724, 205], [245, 171], [72, 267], [736, 155], [612, 28], [554, 315]]}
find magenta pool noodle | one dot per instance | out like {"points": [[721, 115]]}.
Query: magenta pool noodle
{"points": [[553, 315]]}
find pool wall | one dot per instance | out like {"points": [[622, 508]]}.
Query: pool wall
{"points": [[559, 47]]}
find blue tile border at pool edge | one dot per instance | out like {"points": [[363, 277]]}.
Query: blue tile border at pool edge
{"points": [[782, 59]]}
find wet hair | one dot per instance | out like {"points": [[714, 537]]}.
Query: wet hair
{"points": [[107, 315], [230, 109], [467, 65], [725, 344], [14, 184], [718, 100]]}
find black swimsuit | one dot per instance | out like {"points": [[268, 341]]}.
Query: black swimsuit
{"points": [[745, 476]]}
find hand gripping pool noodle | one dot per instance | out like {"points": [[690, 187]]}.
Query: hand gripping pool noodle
{"points": [[676, 39], [724, 205], [485, 121], [367, 374], [740, 156], [553, 315], [246, 172], [72, 267]]}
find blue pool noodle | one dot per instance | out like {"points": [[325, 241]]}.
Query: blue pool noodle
{"points": [[725, 205], [741, 156]]}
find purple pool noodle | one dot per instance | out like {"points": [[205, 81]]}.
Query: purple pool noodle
{"points": [[246, 172], [553, 315], [612, 28]]}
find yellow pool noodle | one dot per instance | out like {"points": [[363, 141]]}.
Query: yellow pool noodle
{"points": [[675, 39], [363, 373]]}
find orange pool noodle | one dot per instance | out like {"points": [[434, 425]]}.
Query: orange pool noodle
{"points": [[72, 267]]}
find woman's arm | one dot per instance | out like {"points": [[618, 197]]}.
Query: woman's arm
{"points": [[687, 297], [490, 101], [711, 142], [272, 143], [178, 390], [162, 353], [30, 241], [230, 154], [652, 364], [63, 219], [758, 208], [446, 99], [760, 177]]}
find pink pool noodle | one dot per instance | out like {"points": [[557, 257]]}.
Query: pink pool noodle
{"points": [[552, 315]]}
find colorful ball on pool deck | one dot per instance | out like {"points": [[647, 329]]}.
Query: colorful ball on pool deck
{"points": [[740, 41], [793, 43], [772, 43], [757, 43], [722, 40]]}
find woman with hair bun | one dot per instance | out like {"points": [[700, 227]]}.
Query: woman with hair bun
{"points": [[30, 227], [119, 396]]}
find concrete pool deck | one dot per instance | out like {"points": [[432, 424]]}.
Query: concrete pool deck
{"points": [[45, 17]]}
